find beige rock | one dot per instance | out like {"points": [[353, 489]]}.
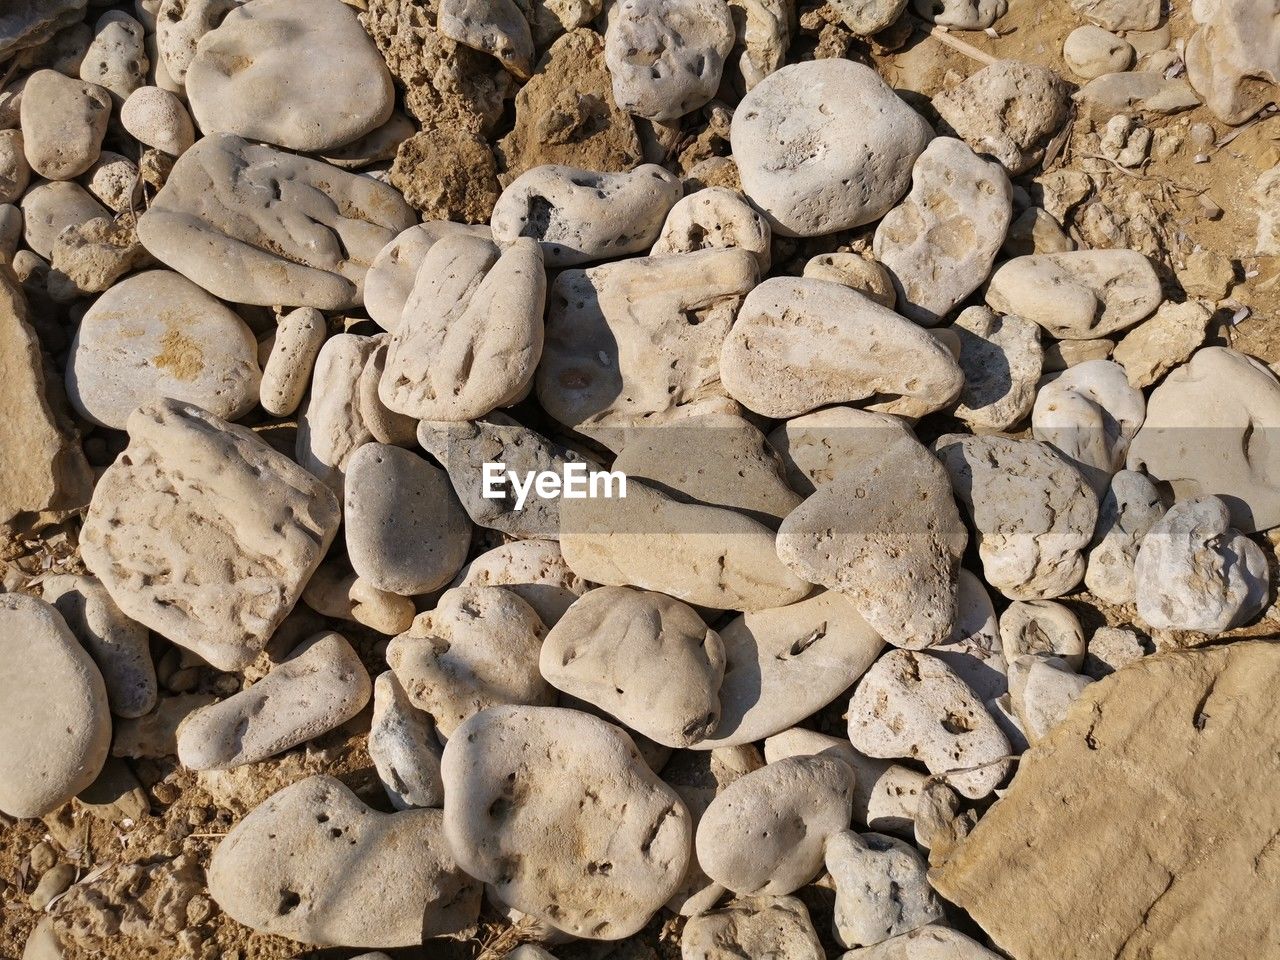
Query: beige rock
{"points": [[1062, 355], [157, 118], [90, 257], [117, 56], [865, 18], [1042, 628], [1110, 649], [391, 276], [1233, 57], [404, 747], [1266, 191], [534, 570], [205, 534], [777, 927], [856, 272], [495, 27], [113, 179], [1130, 507], [155, 735], [294, 348], [1002, 359], [1166, 340], [928, 943], [763, 31], [63, 123], [962, 14], [49, 208], [15, 172], [1091, 51], [333, 425], [1035, 231], [1041, 690], [28, 23], [334, 591], [881, 888], [819, 447], [179, 26], [447, 174], [1138, 91], [377, 146], [715, 218]]}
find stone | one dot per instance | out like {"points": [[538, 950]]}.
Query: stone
{"points": [[477, 649], [819, 447], [183, 546], [1002, 359], [53, 882], [1110, 649], [1041, 690], [298, 338], [1090, 414], [1208, 431], [785, 664], [391, 276], [117, 645], [333, 423], [940, 243], [763, 32], [534, 570], [1195, 572], [516, 777], [855, 271], [715, 218], [56, 729], [910, 704], [932, 942], [277, 870], [1164, 341], [335, 592], [471, 333], [28, 23], [50, 207], [1062, 355], [228, 219], [666, 58], [332, 99], [1008, 110], [882, 890], [824, 146], [1035, 231], [1266, 192], [864, 18], [1042, 628], [764, 833], [1138, 91], [406, 531], [1091, 52], [1120, 14], [1130, 507], [155, 335], [375, 147], [155, 735], [799, 344], [319, 686], [157, 118], [44, 466], [15, 172], [777, 927], [447, 174], [179, 26], [63, 123], [639, 341], [578, 216], [495, 27], [114, 180], [644, 658], [90, 257], [1078, 295], [897, 558], [974, 651], [961, 14], [1206, 274], [1232, 59], [117, 56], [1169, 761], [404, 747]]}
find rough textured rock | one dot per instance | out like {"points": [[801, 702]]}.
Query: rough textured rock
{"points": [[1120, 14], [1042, 628], [974, 651], [63, 123], [1233, 58], [534, 570], [715, 218], [27, 23], [158, 119], [1002, 360], [1041, 690], [49, 207], [962, 14], [117, 55], [179, 26], [391, 276], [819, 447], [1170, 761], [1166, 340], [204, 533], [495, 27], [855, 271], [1138, 91], [881, 888], [775, 927], [404, 747], [1128, 509], [447, 174], [90, 257]]}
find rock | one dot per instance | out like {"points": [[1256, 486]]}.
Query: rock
{"points": [[1042, 689], [881, 888], [1157, 761], [1166, 340], [785, 664], [824, 146], [639, 341], [516, 776], [204, 533], [578, 216], [227, 219], [335, 592], [777, 927], [897, 559], [332, 99], [1195, 572], [155, 335], [711, 219], [566, 113], [974, 651], [157, 118], [855, 271], [1232, 60], [962, 14], [278, 869], [1207, 431], [118, 645], [911, 705], [939, 244], [28, 23], [334, 423], [53, 882], [928, 943], [471, 334], [1035, 231], [179, 26], [155, 735], [375, 147], [642, 657], [819, 447], [447, 174], [1062, 355], [391, 276], [495, 27], [1009, 110], [1139, 91], [477, 649], [1266, 191], [707, 556], [1090, 414], [1042, 628], [1110, 649], [49, 208], [404, 747], [117, 56], [1078, 295], [1130, 507], [666, 59], [1001, 358], [44, 467], [114, 180], [56, 729], [294, 348], [63, 123], [1206, 274], [1120, 14], [90, 257], [534, 570], [800, 344], [763, 31], [1091, 52], [863, 18], [764, 833], [15, 172]]}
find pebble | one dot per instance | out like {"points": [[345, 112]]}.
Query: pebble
{"points": [[1196, 572], [974, 651], [117, 56], [179, 26], [204, 533], [578, 216], [227, 218], [855, 271], [1008, 110], [961, 14], [940, 243], [114, 180], [294, 348], [50, 207], [764, 833], [1041, 627], [334, 423], [156, 334], [775, 927], [404, 747], [1091, 52], [391, 276], [158, 119], [666, 57], [824, 146], [912, 705], [799, 344], [1035, 231], [864, 18], [477, 649], [1110, 649], [763, 31], [495, 27], [1078, 295], [1041, 690], [715, 218], [932, 942], [882, 889], [513, 775], [278, 869], [56, 729], [1207, 433], [1138, 91], [1129, 508], [335, 592], [1232, 55], [15, 171], [53, 883], [255, 51], [642, 657], [1164, 341], [1090, 414], [1002, 360], [534, 570], [63, 123], [118, 646]]}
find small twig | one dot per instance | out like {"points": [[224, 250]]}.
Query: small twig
{"points": [[942, 36], [1266, 113]]}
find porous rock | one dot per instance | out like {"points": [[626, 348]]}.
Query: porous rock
{"points": [[1129, 508], [1002, 360], [777, 927], [881, 888]]}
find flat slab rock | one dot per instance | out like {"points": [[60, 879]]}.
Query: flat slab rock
{"points": [[1171, 763]]}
